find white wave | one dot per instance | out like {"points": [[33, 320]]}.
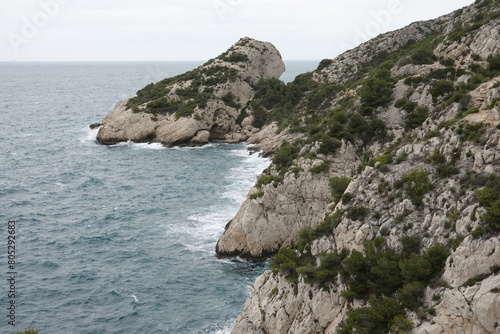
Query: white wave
{"points": [[90, 136], [228, 326], [236, 195], [136, 300], [208, 226], [244, 176], [209, 145], [140, 146]]}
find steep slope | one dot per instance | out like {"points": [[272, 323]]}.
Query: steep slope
{"points": [[205, 104], [384, 199]]}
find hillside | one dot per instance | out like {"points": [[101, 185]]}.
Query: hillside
{"points": [[382, 206]]}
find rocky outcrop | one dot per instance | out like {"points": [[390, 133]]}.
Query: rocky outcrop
{"points": [[277, 306], [200, 106], [266, 223]]}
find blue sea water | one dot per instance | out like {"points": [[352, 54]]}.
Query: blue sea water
{"points": [[114, 239]]}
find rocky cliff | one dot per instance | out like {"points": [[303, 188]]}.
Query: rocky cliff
{"points": [[382, 205], [208, 103]]}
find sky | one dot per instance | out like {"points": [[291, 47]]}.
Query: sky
{"points": [[164, 30]]}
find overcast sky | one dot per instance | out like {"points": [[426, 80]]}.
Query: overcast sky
{"points": [[121, 30]]}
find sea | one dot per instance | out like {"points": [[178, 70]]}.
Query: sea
{"points": [[113, 239]]}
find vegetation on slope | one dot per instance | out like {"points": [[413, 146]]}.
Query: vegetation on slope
{"points": [[391, 280], [164, 97]]}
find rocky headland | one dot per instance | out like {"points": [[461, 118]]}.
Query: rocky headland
{"points": [[381, 208], [206, 104]]}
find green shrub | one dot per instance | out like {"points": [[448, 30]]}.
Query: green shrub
{"points": [[376, 270], [260, 117], [411, 295], [285, 262], [376, 90], [338, 185], [410, 245], [494, 63], [357, 125], [383, 160], [323, 64], [442, 88], [444, 170], [423, 55], [267, 179], [322, 167], [468, 131], [331, 221], [357, 213], [416, 184], [329, 145], [424, 268], [406, 104], [356, 270], [347, 197], [374, 319], [400, 325], [416, 118], [401, 158], [326, 272], [284, 156], [306, 236], [319, 95], [229, 100], [489, 198], [437, 157], [492, 215], [256, 195], [437, 255], [236, 57]]}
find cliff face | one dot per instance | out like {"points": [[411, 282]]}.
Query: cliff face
{"points": [[418, 162], [265, 223], [194, 108]]}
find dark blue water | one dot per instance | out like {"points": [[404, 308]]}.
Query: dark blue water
{"points": [[114, 239]]}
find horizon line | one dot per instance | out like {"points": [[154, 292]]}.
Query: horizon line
{"points": [[122, 61]]}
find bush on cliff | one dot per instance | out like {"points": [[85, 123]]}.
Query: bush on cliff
{"points": [[376, 90], [284, 156], [423, 55], [338, 185], [416, 117], [416, 185], [374, 319], [489, 198]]}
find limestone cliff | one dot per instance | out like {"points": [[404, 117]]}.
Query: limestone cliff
{"points": [[391, 149], [205, 104]]}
